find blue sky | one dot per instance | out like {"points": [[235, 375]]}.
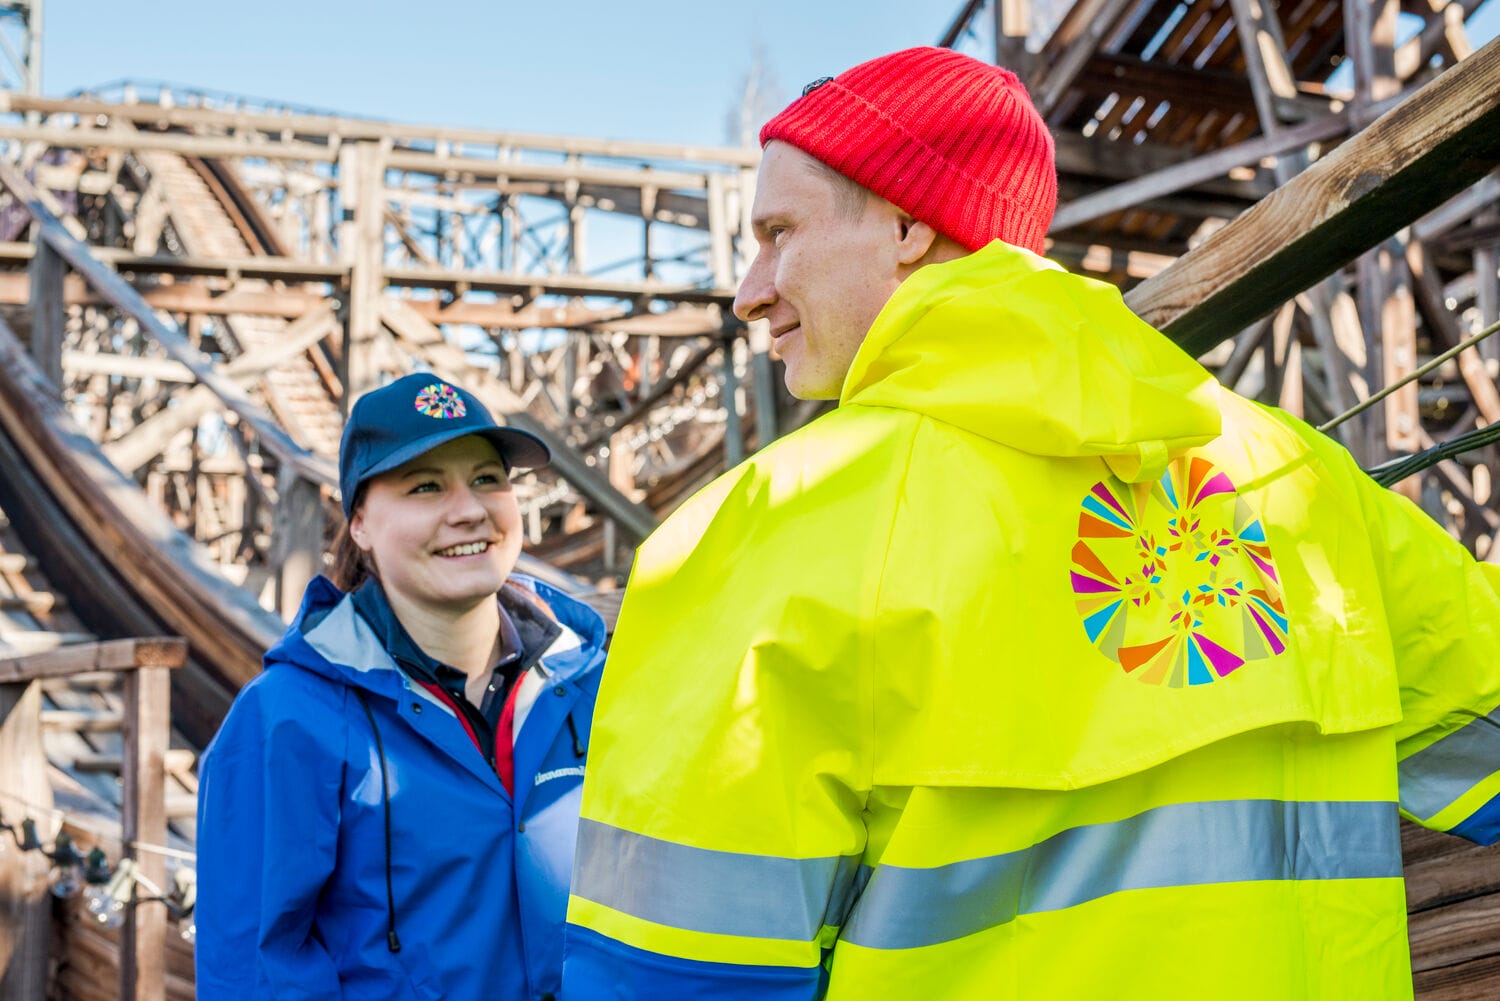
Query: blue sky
{"points": [[660, 70]]}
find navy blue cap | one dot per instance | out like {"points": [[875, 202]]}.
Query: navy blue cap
{"points": [[415, 414]]}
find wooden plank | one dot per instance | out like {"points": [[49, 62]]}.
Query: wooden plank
{"points": [[79, 721], [444, 279], [148, 725], [327, 128], [25, 911], [176, 759], [1436, 143], [1473, 980], [110, 655], [1457, 933], [47, 318], [1197, 170]]}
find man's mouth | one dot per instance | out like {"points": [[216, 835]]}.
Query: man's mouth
{"points": [[466, 549]]}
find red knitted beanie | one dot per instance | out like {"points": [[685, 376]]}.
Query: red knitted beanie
{"points": [[952, 141]]}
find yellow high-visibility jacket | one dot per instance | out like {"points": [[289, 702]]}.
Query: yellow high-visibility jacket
{"points": [[1044, 668]]}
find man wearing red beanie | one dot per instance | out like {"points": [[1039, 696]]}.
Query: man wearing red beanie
{"points": [[1043, 666]]}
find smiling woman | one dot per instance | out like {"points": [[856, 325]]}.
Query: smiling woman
{"points": [[391, 807]]}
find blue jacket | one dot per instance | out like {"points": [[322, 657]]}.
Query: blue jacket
{"points": [[291, 831]]}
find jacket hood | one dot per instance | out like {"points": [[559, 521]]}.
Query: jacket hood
{"points": [[329, 638], [1009, 346]]}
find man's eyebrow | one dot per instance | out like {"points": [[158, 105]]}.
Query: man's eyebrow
{"points": [[760, 223]]}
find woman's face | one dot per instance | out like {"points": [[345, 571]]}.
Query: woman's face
{"points": [[444, 529]]}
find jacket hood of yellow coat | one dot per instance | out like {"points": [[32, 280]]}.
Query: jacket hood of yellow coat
{"points": [[1009, 346]]}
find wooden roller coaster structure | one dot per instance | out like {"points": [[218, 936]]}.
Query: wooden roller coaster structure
{"points": [[193, 288]]}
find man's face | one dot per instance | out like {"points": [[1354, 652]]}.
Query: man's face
{"points": [[821, 273]]}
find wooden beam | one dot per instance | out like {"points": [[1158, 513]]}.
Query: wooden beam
{"points": [[126, 299], [47, 317], [25, 906], [446, 279], [109, 655], [1436, 143], [1184, 87], [1197, 170], [1428, 289], [145, 441], [1070, 48], [960, 24], [325, 128]]}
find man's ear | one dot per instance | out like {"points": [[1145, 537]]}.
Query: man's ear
{"points": [[917, 239]]}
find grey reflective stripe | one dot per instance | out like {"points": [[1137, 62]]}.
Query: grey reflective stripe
{"points": [[721, 893], [1186, 844], [1440, 773]]}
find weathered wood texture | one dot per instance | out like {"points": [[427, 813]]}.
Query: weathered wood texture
{"points": [[121, 531], [24, 792], [1453, 893], [1432, 146]]}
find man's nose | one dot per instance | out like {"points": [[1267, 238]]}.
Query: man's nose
{"points": [[757, 292]]}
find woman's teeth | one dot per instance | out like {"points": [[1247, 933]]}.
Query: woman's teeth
{"points": [[467, 549]]}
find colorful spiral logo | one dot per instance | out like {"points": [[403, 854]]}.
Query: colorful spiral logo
{"points": [[1174, 580], [441, 401]]}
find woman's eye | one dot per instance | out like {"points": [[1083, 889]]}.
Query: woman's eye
{"points": [[425, 487], [486, 480]]}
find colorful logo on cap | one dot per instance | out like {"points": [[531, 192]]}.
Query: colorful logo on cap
{"points": [[1174, 580], [441, 401]]}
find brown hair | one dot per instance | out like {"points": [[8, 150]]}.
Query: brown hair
{"points": [[352, 566]]}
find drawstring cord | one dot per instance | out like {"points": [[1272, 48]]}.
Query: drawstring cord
{"points": [[579, 750], [392, 942]]}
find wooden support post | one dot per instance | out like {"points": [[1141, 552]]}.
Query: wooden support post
{"points": [[1012, 25], [1284, 366], [147, 727], [47, 316], [734, 436], [763, 379], [720, 240], [25, 907], [1428, 288], [297, 549], [1487, 284], [1398, 323], [366, 260]]}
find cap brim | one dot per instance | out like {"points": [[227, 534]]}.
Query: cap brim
{"points": [[518, 449]]}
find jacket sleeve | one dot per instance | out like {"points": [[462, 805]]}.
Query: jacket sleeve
{"points": [[722, 826], [723, 875], [1443, 609], [268, 804]]}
